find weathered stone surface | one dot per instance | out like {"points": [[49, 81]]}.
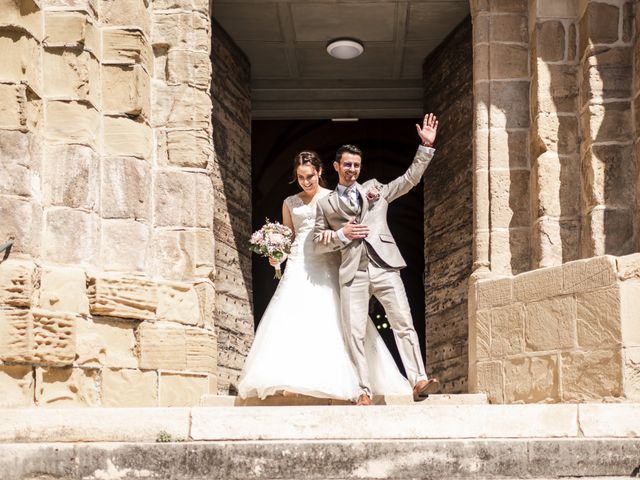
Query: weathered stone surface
{"points": [[126, 188], [124, 245], [172, 251], [550, 41], [67, 387], [550, 324], [490, 380], [202, 350], [188, 31], [607, 73], [126, 46], [129, 388], [188, 148], [65, 28], [20, 48], [104, 341], [509, 193], [607, 123], [191, 68], [207, 303], [17, 386], [180, 106], [205, 253], [71, 74], [599, 321], [63, 289], [13, 107], [538, 284], [18, 154], [479, 336], [15, 334], [628, 266], [182, 390], [189, 5], [126, 90], [53, 337], [591, 375], [629, 308], [508, 61], [70, 176], [552, 8], [178, 302], [72, 122], [507, 331], [163, 345], [22, 221], [590, 274], [16, 283], [123, 297], [531, 379], [556, 88], [599, 24], [494, 293], [127, 136], [71, 236], [508, 28], [557, 134], [126, 12], [510, 109]]}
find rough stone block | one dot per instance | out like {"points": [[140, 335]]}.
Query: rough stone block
{"points": [[71, 236], [556, 88], [13, 113], [606, 179], [163, 345], [556, 133], [628, 266], [590, 274], [182, 390], [550, 41], [494, 293], [16, 325], [178, 302], [126, 12], [129, 388], [173, 254], [509, 105], [553, 8], [22, 221], [508, 61], [185, 5], [204, 201], [596, 374], [24, 14], [126, 188], [71, 74], [65, 28], [126, 47], [204, 253], [182, 31], [599, 318], [63, 289], [532, 379], [202, 350], [126, 90], [123, 297], [19, 49], [17, 386], [507, 331], [180, 106], [53, 337], [610, 122], [508, 28], [599, 24], [127, 137], [509, 193], [124, 245], [67, 387], [207, 304], [629, 313], [607, 74], [70, 176], [183, 199], [490, 380], [538, 284], [18, 161], [72, 122], [188, 148], [550, 324], [631, 373], [105, 341], [16, 283], [191, 68]]}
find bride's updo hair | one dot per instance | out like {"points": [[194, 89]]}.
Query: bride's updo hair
{"points": [[307, 157]]}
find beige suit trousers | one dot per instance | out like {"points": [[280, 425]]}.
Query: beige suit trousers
{"points": [[386, 285]]}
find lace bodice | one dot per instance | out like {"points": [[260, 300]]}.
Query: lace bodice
{"points": [[303, 217]]}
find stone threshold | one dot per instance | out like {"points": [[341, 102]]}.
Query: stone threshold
{"points": [[320, 423]]}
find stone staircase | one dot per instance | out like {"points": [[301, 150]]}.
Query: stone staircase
{"points": [[446, 437]]}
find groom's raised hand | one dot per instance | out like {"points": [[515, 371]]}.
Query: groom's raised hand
{"points": [[355, 231], [429, 129]]}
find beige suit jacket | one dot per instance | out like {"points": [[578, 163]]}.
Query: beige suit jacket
{"points": [[331, 216]]}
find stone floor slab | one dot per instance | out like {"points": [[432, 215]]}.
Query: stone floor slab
{"points": [[610, 419]]}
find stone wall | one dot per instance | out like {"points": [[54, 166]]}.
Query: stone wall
{"points": [[448, 91], [568, 333], [107, 295], [231, 95]]}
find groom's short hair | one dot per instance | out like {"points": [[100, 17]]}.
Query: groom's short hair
{"points": [[352, 149]]}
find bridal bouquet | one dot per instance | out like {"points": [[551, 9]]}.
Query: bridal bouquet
{"points": [[272, 240]]}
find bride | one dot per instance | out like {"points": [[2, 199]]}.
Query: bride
{"points": [[299, 346]]}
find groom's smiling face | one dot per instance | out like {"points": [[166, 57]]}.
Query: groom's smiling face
{"points": [[348, 168]]}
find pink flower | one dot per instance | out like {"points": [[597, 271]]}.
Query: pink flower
{"points": [[373, 194], [276, 239]]}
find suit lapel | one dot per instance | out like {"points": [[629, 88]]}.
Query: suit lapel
{"points": [[334, 201], [365, 202]]}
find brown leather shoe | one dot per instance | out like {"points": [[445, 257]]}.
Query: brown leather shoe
{"points": [[424, 387], [364, 400]]}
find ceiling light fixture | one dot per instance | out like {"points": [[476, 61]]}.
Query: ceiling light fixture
{"points": [[345, 48]]}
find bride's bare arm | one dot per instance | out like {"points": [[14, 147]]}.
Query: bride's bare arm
{"points": [[287, 222]]}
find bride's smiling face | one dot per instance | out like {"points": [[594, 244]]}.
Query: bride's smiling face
{"points": [[308, 178]]}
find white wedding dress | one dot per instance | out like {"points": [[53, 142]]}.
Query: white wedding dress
{"points": [[299, 346]]}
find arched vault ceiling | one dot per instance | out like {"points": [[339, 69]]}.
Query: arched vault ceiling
{"points": [[293, 76]]}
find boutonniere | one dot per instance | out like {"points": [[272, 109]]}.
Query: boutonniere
{"points": [[373, 194]]}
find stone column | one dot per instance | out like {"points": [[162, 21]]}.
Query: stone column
{"points": [[636, 108], [608, 168], [501, 171], [555, 165]]}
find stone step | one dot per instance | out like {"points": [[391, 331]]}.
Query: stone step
{"points": [[289, 400], [324, 460]]}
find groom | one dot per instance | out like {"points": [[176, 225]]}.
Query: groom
{"points": [[356, 215]]}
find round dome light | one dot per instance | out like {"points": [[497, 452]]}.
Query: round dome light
{"points": [[345, 49]]}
